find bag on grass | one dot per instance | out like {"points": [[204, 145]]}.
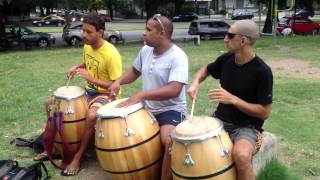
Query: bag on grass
{"points": [[32, 172], [35, 144], [6, 166]]}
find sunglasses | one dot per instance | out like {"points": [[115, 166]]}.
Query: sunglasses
{"points": [[157, 18], [230, 35]]}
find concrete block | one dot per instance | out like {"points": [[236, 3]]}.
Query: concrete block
{"points": [[267, 152]]}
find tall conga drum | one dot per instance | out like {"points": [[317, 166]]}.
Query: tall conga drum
{"points": [[202, 149], [127, 142], [69, 109]]}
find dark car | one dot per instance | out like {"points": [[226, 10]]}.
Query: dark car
{"points": [[208, 29], [49, 20], [20, 36], [299, 25], [242, 15], [72, 34], [186, 17], [304, 13]]}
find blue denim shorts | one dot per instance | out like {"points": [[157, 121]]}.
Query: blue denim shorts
{"points": [[170, 117]]}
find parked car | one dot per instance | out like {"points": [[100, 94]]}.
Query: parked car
{"points": [[72, 34], [185, 17], [304, 12], [299, 25], [242, 15], [49, 20], [208, 29], [17, 35]]}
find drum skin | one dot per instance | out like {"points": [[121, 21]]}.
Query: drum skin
{"points": [[206, 154], [134, 157], [73, 124]]}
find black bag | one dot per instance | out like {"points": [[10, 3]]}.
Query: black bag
{"points": [[6, 166], [35, 144], [33, 172]]}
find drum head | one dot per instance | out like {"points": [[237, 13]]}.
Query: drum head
{"points": [[69, 92], [199, 128], [110, 110]]}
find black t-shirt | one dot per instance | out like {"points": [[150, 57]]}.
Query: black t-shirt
{"points": [[252, 82]]}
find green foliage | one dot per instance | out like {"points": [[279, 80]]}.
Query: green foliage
{"points": [[275, 170]]}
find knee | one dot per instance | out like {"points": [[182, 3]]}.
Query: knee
{"points": [[242, 157], [91, 118], [166, 143]]}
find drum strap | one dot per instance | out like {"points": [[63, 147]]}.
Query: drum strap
{"points": [[54, 125]]}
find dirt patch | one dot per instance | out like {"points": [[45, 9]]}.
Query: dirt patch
{"points": [[294, 68]]}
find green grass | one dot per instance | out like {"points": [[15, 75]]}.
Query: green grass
{"points": [[29, 77]]}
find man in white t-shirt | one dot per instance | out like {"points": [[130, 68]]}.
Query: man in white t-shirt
{"points": [[163, 67]]}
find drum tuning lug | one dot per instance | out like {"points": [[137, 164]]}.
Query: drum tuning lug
{"points": [[100, 134], [69, 110], [188, 161], [129, 132], [223, 149]]}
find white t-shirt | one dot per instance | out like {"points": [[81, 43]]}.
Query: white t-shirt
{"points": [[158, 71]]}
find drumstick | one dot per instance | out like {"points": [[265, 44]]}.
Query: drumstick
{"points": [[192, 108], [68, 82]]}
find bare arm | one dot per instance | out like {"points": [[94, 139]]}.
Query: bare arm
{"points": [[256, 110], [131, 75], [168, 91], [199, 77]]}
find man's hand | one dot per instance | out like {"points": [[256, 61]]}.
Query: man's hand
{"points": [[70, 73], [220, 95], [131, 101], [114, 88], [193, 91], [84, 74]]}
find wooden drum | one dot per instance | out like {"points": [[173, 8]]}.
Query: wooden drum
{"points": [[71, 103], [128, 142], [202, 149]]}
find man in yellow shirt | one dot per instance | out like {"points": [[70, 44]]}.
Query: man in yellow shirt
{"points": [[100, 67]]}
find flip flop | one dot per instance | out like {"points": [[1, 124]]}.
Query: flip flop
{"points": [[44, 157], [41, 157], [70, 172]]}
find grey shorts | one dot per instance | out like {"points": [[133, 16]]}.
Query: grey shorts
{"points": [[236, 133]]}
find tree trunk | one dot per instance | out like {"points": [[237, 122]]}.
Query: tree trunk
{"points": [[268, 23]]}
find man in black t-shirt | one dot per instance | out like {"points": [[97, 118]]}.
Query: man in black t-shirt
{"points": [[244, 95]]}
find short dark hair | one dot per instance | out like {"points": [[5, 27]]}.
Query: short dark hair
{"points": [[94, 20]]}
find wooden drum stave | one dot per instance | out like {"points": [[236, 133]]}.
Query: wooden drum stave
{"points": [[127, 142], [202, 149], [71, 102]]}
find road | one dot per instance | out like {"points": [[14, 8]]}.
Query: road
{"points": [[129, 36]]}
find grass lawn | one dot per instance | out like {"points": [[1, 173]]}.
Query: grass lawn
{"points": [[29, 77]]}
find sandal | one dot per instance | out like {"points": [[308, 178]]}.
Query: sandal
{"points": [[44, 157], [70, 172]]}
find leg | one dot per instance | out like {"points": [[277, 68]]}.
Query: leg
{"points": [[85, 140], [94, 104], [168, 121], [243, 149], [165, 132], [242, 155]]}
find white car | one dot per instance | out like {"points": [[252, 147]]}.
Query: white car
{"points": [[72, 34]]}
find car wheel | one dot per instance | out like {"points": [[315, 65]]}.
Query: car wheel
{"points": [[59, 24], [74, 41], [43, 43], [113, 39], [205, 37], [39, 24]]}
